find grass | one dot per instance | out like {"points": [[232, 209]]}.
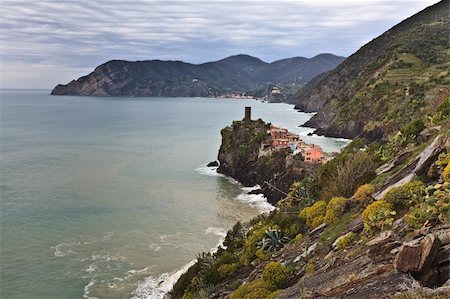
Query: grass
{"points": [[335, 230]]}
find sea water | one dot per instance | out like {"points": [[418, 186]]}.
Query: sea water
{"points": [[110, 197]]}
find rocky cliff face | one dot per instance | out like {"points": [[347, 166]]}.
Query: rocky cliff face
{"points": [[235, 74], [241, 158], [389, 81]]}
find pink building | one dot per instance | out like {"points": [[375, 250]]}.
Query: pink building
{"points": [[312, 153]]}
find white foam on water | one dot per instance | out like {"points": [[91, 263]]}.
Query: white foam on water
{"points": [[209, 171], [63, 249], [156, 288], [250, 189], [86, 290], [256, 200], [218, 231]]}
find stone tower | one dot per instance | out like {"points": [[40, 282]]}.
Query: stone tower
{"points": [[248, 114]]}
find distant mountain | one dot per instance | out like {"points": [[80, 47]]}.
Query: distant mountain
{"points": [[399, 76], [235, 74]]}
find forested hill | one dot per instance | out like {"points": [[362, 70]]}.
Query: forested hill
{"points": [[235, 74]]}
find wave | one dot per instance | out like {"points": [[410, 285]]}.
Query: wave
{"points": [[156, 288], [221, 232], [257, 200], [209, 171], [86, 290]]}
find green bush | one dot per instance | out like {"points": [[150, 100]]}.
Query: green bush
{"points": [[377, 215], [363, 193], [346, 240], [435, 207], [227, 269], [405, 195], [256, 289], [275, 275], [314, 215], [335, 209]]}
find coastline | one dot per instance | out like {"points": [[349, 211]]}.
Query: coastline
{"points": [[159, 287]]}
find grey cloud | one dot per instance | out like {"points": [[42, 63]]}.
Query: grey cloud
{"points": [[81, 34]]}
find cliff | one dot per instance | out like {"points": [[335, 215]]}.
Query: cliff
{"points": [[398, 76], [388, 239], [235, 74], [242, 158]]}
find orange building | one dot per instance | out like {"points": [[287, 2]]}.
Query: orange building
{"points": [[279, 136], [312, 153]]}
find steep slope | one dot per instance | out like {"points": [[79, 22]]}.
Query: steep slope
{"points": [[297, 70], [235, 74], [395, 77]]}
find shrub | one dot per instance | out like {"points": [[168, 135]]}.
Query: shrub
{"points": [[262, 255], [298, 237], [335, 209], [363, 193], [405, 195], [346, 240], [227, 269], [446, 173], [435, 207], [275, 275], [342, 175], [314, 215], [377, 215], [309, 269], [256, 289], [251, 290]]}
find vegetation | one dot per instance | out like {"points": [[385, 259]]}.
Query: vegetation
{"points": [[335, 209], [275, 275], [377, 215], [273, 240], [363, 194], [405, 195], [346, 240], [314, 215]]}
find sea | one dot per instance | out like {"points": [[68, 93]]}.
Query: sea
{"points": [[110, 197]]}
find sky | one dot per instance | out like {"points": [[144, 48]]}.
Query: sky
{"points": [[44, 43]]}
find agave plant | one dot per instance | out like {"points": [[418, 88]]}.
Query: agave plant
{"points": [[205, 260], [273, 240]]}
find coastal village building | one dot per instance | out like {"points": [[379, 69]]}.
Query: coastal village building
{"points": [[311, 152], [282, 138]]}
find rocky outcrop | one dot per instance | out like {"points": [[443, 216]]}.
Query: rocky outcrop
{"points": [[241, 157], [418, 166], [235, 74]]}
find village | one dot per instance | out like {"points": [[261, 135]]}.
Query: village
{"points": [[283, 139]]}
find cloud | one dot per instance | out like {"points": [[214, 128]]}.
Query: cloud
{"points": [[75, 36]]}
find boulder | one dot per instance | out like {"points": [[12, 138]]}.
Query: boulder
{"points": [[417, 256], [408, 257], [213, 164]]}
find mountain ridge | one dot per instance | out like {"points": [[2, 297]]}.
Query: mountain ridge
{"points": [[234, 74]]}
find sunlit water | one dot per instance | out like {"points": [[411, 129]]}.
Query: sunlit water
{"points": [[109, 197]]}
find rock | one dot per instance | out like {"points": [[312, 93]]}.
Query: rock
{"points": [[394, 162], [443, 255], [418, 166], [408, 257], [430, 247], [382, 238], [213, 164], [444, 236], [318, 230], [417, 256]]}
